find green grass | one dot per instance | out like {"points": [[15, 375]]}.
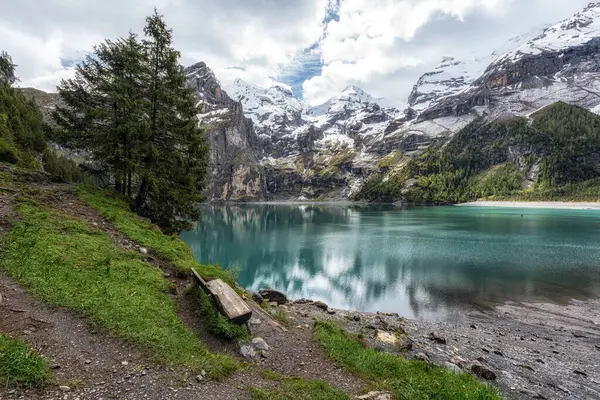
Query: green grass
{"points": [[65, 261], [280, 316], [216, 323], [20, 366], [406, 379], [169, 247], [296, 389]]}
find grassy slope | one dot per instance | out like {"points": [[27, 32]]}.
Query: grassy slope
{"points": [[65, 261], [407, 379], [171, 248], [19, 366]]}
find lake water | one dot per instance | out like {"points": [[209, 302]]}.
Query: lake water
{"points": [[430, 262]]}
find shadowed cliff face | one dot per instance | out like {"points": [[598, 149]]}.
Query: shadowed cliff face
{"points": [[235, 172]]}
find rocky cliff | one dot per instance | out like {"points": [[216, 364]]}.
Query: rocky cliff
{"points": [[235, 170]]}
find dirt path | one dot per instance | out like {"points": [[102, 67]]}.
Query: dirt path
{"points": [[94, 364]]}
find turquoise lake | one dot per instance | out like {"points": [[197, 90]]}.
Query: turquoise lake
{"points": [[429, 263]]}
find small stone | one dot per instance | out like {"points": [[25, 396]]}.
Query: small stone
{"points": [[375, 396], [64, 388], [320, 305], [483, 372], [55, 366], [498, 353], [452, 367], [199, 378], [302, 301], [203, 373], [257, 298], [254, 321], [436, 338], [473, 326], [246, 350], [302, 364], [125, 363], [331, 312], [422, 357], [88, 361], [143, 250], [166, 275], [260, 344]]}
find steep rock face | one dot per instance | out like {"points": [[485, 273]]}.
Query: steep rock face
{"points": [[235, 171]]}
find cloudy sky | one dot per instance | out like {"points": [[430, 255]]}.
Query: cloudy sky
{"points": [[318, 47]]}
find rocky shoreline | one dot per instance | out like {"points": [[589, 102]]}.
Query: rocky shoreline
{"points": [[530, 351]]}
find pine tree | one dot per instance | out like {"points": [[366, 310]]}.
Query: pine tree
{"points": [[7, 68], [130, 106], [174, 150]]}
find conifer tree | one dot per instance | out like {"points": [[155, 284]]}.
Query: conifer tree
{"points": [[129, 105]]}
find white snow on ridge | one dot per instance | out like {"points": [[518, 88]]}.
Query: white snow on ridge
{"points": [[577, 30]]}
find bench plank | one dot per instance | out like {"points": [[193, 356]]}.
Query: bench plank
{"points": [[229, 303]]}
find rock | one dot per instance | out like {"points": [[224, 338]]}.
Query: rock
{"points": [[64, 388], [55, 366], [88, 361], [356, 317], [578, 372], [330, 312], [320, 305], [263, 354], [498, 353], [456, 360], [247, 351], [260, 344], [452, 367], [525, 366], [125, 363], [375, 396], [273, 296], [436, 338], [483, 372], [473, 326], [199, 378], [386, 337], [421, 356], [166, 275], [303, 301], [257, 298], [254, 321], [143, 250]]}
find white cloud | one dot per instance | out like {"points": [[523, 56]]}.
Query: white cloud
{"points": [[383, 46]]}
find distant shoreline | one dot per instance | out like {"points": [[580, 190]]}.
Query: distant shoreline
{"points": [[535, 204]]}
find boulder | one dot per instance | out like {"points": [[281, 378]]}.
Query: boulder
{"points": [[436, 338], [272, 295], [483, 372]]}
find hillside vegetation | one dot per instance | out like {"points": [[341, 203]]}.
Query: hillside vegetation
{"points": [[557, 147]]}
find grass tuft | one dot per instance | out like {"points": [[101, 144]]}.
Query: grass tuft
{"points": [[406, 379], [169, 247], [20, 366], [296, 389], [217, 324], [65, 261]]}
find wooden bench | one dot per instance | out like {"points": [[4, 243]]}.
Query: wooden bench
{"points": [[227, 301]]}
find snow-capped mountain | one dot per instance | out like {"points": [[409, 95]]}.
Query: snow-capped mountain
{"points": [[270, 144], [275, 111]]}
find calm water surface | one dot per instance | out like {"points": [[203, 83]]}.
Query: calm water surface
{"points": [[429, 263]]}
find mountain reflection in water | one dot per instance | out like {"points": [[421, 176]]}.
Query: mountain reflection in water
{"points": [[427, 263]]}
